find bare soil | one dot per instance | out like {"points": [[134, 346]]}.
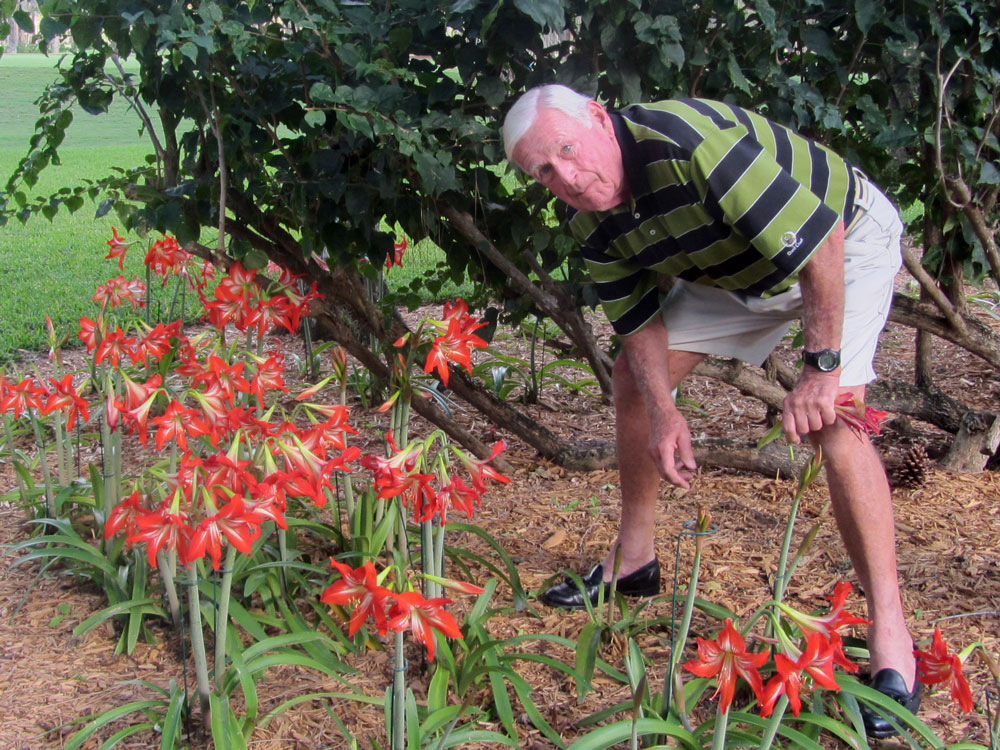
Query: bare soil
{"points": [[550, 520]]}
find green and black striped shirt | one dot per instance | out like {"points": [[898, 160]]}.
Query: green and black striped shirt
{"points": [[720, 196]]}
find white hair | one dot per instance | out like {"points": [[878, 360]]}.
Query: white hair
{"points": [[522, 115]]}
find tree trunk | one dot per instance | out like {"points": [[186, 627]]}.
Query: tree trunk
{"points": [[979, 338]]}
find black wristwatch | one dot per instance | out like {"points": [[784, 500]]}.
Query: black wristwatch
{"points": [[825, 360]]}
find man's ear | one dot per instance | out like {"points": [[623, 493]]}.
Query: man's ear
{"points": [[600, 116]]}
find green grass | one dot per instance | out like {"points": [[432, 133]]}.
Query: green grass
{"points": [[52, 267]]}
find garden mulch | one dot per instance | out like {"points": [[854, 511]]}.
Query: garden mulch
{"points": [[548, 520]]}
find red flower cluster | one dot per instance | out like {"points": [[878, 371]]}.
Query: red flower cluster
{"points": [[218, 498], [406, 610], [427, 494], [727, 658], [241, 299], [57, 396]]}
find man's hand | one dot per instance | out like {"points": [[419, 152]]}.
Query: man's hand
{"points": [[670, 447], [809, 407]]}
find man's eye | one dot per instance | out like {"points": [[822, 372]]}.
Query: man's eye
{"points": [[545, 170], [567, 149]]}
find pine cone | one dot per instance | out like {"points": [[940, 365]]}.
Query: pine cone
{"points": [[913, 471]]}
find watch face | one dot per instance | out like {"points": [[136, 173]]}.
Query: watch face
{"points": [[828, 360]]}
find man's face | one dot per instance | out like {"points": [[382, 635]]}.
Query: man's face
{"points": [[581, 166]]}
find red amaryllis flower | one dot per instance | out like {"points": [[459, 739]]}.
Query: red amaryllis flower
{"points": [[118, 247], [239, 282], [120, 290], [239, 524], [270, 313], [25, 395], [173, 424], [123, 516], [461, 496], [92, 332], [453, 346], [839, 657], [157, 342], [227, 378], [480, 469], [422, 617], [862, 419], [396, 257], [359, 585], [269, 376], [727, 658], [937, 666], [114, 345], [161, 529], [833, 620], [65, 398], [816, 661], [165, 257]]}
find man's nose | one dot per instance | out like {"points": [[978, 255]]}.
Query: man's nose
{"points": [[566, 172]]}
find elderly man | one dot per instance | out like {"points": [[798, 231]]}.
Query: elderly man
{"points": [[758, 227]]}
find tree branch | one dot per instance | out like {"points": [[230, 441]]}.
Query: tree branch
{"points": [[566, 316]]}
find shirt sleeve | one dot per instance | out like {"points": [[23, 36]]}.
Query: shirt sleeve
{"points": [[628, 292], [742, 185]]}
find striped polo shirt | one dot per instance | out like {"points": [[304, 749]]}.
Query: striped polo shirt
{"points": [[720, 196]]}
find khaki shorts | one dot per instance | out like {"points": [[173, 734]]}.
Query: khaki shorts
{"points": [[709, 320]]}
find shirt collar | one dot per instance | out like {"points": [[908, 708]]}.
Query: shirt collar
{"points": [[635, 170]]}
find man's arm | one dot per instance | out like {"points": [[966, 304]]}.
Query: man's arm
{"points": [[647, 354], [810, 404]]}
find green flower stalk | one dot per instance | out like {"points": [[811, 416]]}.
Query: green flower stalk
{"points": [[222, 617], [702, 528], [167, 566], [50, 508], [771, 730], [198, 643], [809, 474]]}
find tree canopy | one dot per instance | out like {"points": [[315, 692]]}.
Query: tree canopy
{"points": [[298, 128]]}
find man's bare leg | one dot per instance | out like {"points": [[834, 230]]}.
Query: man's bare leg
{"points": [[638, 475], [862, 506]]}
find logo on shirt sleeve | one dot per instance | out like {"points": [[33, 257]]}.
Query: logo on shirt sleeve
{"points": [[790, 242]]}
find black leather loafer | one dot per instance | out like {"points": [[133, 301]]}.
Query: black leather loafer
{"points": [[890, 683], [642, 582]]}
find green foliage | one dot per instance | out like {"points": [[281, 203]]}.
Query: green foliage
{"points": [[330, 117]]}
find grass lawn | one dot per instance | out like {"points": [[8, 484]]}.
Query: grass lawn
{"points": [[52, 267]]}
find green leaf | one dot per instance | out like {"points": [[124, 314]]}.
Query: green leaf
{"points": [[988, 173], [513, 579], [172, 721], [866, 13], [817, 40], [211, 12], [106, 718], [610, 735], [85, 29], [543, 12], [586, 657], [190, 51], [321, 93], [50, 28], [315, 118], [24, 21]]}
